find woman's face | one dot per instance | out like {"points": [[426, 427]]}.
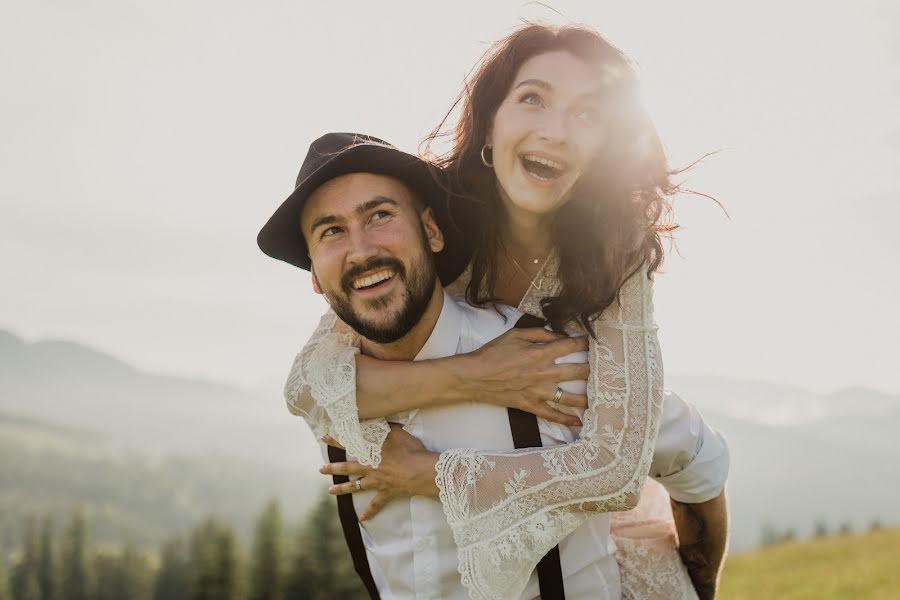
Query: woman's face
{"points": [[551, 123]]}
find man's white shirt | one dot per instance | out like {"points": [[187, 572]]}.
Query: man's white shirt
{"points": [[409, 543]]}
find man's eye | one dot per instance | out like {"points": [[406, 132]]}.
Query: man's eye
{"points": [[331, 231], [380, 214]]}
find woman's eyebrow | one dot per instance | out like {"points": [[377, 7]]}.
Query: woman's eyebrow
{"points": [[536, 82], [596, 95]]}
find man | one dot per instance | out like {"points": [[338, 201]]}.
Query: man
{"points": [[365, 214]]}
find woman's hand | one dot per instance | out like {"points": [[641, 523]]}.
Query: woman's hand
{"points": [[518, 370], [406, 469]]}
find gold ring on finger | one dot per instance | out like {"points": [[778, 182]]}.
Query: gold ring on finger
{"points": [[557, 395]]}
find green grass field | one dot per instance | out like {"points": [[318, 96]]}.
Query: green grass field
{"points": [[847, 567]]}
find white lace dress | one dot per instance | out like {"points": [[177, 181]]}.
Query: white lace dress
{"points": [[507, 509]]}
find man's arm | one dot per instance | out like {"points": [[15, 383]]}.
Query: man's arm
{"points": [[691, 460], [703, 541]]}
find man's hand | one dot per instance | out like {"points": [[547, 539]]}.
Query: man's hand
{"points": [[406, 469], [702, 541], [518, 370]]}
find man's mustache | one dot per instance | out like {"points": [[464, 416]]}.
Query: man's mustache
{"points": [[383, 262]]}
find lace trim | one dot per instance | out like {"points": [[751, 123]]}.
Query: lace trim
{"points": [[321, 388], [508, 509]]}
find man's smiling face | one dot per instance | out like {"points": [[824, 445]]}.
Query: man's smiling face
{"points": [[370, 244]]}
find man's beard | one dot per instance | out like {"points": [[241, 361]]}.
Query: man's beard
{"points": [[417, 292]]}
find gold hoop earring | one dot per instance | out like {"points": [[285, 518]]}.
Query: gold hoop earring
{"points": [[484, 159]]}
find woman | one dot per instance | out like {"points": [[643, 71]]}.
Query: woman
{"points": [[571, 185]]}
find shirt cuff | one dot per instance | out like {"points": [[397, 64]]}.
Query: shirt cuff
{"points": [[704, 477]]}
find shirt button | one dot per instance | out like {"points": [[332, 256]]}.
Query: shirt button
{"points": [[421, 543]]}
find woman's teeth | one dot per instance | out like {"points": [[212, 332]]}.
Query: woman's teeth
{"points": [[364, 282], [544, 169]]}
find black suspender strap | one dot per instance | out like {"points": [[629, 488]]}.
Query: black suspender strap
{"points": [[350, 525], [527, 434]]}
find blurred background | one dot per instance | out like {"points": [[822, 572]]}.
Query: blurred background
{"points": [[145, 449]]}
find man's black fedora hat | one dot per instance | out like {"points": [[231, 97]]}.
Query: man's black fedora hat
{"points": [[336, 154]]}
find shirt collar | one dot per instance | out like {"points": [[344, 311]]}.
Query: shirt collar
{"points": [[444, 338]]}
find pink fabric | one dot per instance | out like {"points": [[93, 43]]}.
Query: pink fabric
{"points": [[647, 549]]}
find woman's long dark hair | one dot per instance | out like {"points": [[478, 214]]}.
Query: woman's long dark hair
{"points": [[619, 208]]}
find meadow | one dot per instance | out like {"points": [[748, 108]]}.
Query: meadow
{"points": [[863, 566]]}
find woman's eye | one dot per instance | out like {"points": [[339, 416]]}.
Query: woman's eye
{"points": [[532, 99], [587, 114]]}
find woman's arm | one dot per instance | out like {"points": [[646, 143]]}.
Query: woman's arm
{"points": [[321, 389], [507, 509], [343, 394], [515, 370]]}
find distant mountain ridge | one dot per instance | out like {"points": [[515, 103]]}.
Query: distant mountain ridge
{"points": [[69, 384], [48, 470], [797, 456], [15, 351], [779, 404]]}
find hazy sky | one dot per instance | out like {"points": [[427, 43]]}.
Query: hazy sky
{"points": [[143, 144]]}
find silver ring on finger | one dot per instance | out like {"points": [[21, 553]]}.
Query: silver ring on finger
{"points": [[358, 484], [558, 395]]}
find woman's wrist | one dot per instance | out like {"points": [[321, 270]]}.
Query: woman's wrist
{"points": [[461, 374], [388, 387]]}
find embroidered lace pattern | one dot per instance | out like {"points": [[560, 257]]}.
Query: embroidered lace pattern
{"points": [[321, 388], [647, 549], [507, 509]]}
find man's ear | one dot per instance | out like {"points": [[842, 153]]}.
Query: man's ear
{"points": [[432, 231], [315, 281]]}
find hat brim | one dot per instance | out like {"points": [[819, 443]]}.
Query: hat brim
{"points": [[281, 236]]}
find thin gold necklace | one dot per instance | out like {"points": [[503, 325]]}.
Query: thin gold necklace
{"points": [[530, 278]]}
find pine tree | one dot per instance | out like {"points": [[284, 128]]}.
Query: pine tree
{"points": [[821, 529], [321, 568], [173, 581], [770, 535], [227, 564], [75, 584], [267, 571], [24, 580], [107, 576], [214, 563], [123, 575], [4, 581], [47, 575]]}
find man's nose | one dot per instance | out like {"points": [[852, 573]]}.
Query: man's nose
{"points": [[362, 248]]}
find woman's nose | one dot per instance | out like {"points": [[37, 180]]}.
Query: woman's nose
{"points": [[554, 127]]}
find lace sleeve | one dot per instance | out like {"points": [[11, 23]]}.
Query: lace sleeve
{"points": [[507, 509], [321, 388]]}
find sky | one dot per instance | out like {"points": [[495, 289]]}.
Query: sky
{"points": [[143, 145]]}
